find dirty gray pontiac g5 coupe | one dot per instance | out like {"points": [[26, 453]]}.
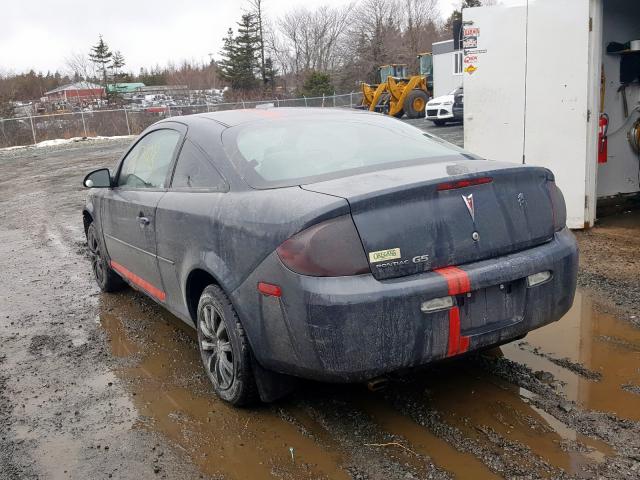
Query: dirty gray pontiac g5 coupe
{"points": [[327, 244]]}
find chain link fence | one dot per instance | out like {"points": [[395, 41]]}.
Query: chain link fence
{"points": [[24, 131]]}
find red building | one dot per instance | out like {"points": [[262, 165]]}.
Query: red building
{"points": [[74, 92]]}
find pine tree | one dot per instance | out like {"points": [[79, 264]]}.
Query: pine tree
{"points": [[101, 56], [239, 55], [256, 6], [456, 15], [117, 62], [317, 84], [228, 54], [270, 73]]}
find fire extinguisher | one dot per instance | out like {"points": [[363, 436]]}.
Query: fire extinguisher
{"points": [[603, 141]]}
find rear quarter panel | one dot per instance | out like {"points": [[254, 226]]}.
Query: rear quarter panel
{"points": [[230, 234]]}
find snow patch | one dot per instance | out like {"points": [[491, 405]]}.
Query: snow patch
{"points": [[65, 141]]}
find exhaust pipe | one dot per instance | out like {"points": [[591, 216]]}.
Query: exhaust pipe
{"points": [[377, 384]]}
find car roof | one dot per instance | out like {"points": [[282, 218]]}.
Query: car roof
{"points": [[231, 118]]}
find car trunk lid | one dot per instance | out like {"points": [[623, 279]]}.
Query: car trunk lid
{"points": [[424, 217]]}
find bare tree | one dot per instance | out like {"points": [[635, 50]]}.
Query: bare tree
{"points": [[421, 20], [312, 39], [371, 36], [80, 67]]}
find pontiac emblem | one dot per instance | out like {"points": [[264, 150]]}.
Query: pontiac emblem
{"points": [[468, 201]]}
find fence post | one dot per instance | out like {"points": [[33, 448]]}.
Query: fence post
{"points": [[305, 101], [208, 107], [126, 117], [334, 99], [277, 102], [351, 100], [169, 110], [243, 104], [84, 125], [323, 99], [33, 130]]}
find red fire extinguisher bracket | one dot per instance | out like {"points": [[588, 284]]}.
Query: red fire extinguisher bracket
{"points": [[603, 141]]}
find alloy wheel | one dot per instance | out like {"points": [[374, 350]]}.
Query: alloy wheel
{"points": [[215, 347], [96, 259]]}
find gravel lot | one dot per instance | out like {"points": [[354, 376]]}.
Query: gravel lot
{"points": [[110, 386]]}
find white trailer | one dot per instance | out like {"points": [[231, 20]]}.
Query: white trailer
{"points": [[533, 93]]}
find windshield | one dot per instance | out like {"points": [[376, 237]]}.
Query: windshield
{"points": [[308, 149]]}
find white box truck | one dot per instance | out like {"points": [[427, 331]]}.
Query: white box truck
{"points": [[538, 80]]}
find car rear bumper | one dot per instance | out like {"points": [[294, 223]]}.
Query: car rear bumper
{"points": [[355, 328]]}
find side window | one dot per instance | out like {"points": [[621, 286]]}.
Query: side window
{"points": [[195, 170], [147, 164]]}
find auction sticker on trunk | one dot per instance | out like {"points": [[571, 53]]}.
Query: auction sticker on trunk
{"points": [[382, 255]]}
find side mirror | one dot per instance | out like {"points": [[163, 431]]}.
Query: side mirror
{"points": [[100, 178]]}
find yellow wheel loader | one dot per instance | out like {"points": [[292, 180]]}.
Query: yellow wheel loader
{"points": [[398, 93]]}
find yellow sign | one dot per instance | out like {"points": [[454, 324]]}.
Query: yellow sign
{"points": [[470, 69], [382, 255]]}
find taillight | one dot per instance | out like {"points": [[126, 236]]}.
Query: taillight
{"points": [[329, 249], [464, 183], [559, 208]]}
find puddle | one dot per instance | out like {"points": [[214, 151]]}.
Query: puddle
{"points": [[163, 373], [486, 408], [598, 341], [220, 439], [461, 465]]}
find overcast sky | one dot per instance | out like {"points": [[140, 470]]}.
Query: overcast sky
{"points": [[40, 34]]}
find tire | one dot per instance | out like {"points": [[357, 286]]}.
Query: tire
{"points": [[400, 114], [415, 103], [440, 123], [106, 278], [224, 349]]}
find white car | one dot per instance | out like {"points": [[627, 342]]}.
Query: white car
{"points": [[447, 108]]}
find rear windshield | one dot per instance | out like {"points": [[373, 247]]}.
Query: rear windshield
{"points": [[308, 149]]}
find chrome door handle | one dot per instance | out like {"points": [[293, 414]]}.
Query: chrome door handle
{"points": [[143, 220]]}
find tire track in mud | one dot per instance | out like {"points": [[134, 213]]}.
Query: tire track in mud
{"points": [[619, 434], [57, 375], [11, 450]]}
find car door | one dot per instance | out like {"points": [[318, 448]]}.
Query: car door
{"points": [[186, 228], [129, 209]]}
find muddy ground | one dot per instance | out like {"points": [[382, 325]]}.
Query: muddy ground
{"points": [[110, 386]]}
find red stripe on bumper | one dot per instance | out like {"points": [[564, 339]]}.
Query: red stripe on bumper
{"points": [[458, 283], [140, 282], [457, 279]]}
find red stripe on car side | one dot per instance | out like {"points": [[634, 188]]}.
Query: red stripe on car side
{"points": [[457, 282], [140, 282]]}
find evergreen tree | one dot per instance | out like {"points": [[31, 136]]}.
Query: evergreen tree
{"points": [[117, 62], [317, 84], [256, 6], [456, 15], [101, 56], [239, 55], [228, 54], [270, 73]]}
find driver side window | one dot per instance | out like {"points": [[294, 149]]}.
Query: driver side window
{"points": [[147, 164]]}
